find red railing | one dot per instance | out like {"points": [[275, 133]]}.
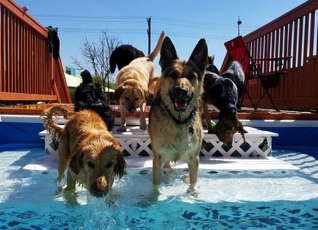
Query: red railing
{"points": [[292, 35], [28, 72]]}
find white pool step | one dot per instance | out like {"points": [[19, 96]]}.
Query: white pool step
{"points": [[137, 142]]}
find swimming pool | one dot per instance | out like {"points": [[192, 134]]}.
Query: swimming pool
{"points": [[284, 197]]}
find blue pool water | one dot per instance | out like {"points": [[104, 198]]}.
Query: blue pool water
{"points": [[227, 199]]}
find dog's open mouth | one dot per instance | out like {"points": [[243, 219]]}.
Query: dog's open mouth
{"points": [[180, 104]]}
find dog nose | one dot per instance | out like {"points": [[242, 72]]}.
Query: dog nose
{"points": [[101, 184], [132, 110], [181, 90]]}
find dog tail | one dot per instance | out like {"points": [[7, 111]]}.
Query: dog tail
{"points": [[50, 124], [112, 62], [86, 76], [157, 49]]}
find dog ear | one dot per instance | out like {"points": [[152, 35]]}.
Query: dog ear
{"points": [[118, 92], [200, 55], [144, 92], [241, 130], [168, 53], [121, 165]]}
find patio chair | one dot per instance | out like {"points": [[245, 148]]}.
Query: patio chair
{"points": [[238, 51]]}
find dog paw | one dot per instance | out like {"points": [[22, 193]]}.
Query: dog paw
{"points": [[59, 179], [70, 196], [143, 127], [155, 193], [192, 191], [121, 129]]}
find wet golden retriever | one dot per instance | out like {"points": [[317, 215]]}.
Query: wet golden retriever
{"points": [[90, 152], [175, 126], [132, 85]]}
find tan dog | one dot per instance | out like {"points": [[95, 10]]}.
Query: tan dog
{"points": [[154, 85], [175, 126], [90, 152], [132, 85]]}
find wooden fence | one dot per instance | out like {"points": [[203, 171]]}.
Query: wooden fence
{"points": [[293, 35], [28, 72]]}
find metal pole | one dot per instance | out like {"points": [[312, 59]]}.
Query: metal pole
{"points": [[149, 34], [239, 22]]}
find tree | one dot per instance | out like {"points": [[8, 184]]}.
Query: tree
{"points": [[97, 56]]}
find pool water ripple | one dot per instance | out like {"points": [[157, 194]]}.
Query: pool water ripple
{"points": [[227, 199]]}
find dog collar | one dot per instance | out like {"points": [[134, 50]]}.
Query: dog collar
{"points": [[178, 122]]}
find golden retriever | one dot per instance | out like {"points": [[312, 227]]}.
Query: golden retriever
{"points": [[132, 85], [90, 152], [175, 126]]}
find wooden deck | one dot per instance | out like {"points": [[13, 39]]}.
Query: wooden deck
{"points": [[246, 113]]}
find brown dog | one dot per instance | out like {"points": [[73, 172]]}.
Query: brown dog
{"points": [[91, 153], [132, 85], [175, 126]]}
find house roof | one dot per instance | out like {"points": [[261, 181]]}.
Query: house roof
{"points": [[72, 81]]}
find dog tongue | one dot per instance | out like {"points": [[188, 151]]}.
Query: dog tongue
{"points": [[181, 104]]}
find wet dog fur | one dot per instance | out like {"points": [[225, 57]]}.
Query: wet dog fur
{"points": [[90, 152], [175, 126], [132, 85]]}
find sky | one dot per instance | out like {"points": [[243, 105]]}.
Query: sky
{"points": [[184, 21]]}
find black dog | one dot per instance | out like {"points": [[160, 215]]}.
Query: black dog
{"points": [[211, 67], [89, 95], [122, 56], [222, 92]]}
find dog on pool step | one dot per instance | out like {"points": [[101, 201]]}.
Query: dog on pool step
{"points": [[89, 95], [175, 126], [132, 85], [222, 92], [91, 154]]}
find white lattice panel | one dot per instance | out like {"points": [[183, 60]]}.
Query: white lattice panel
{"points": [[253, 147], [137, 142]]}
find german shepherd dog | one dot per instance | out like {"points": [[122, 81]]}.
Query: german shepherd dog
{"points": [[175, 126]]}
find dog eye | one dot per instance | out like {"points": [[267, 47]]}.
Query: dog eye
{"points": [[127, 98], [110, 164], [137, 98], [90, 164]]}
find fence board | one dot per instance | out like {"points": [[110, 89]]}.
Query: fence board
{"points": [[26, 67], [292, 35]]}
